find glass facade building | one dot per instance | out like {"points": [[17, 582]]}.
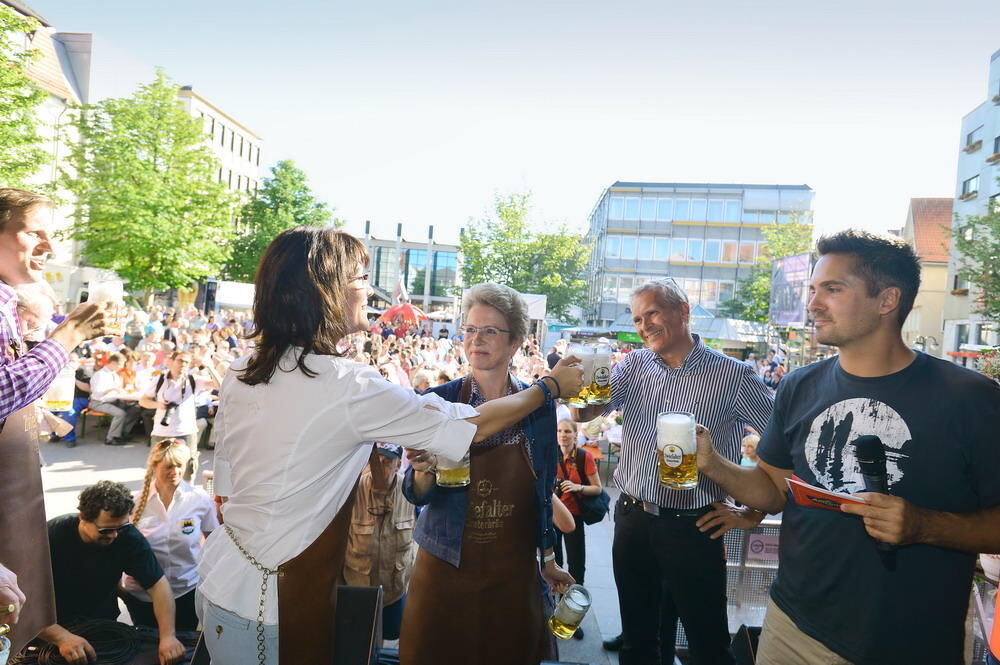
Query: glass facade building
{"points": [[706, 236], [412, 260]]}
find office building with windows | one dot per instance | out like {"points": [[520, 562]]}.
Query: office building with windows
{"points": [[976, 191], [429, 270], [706, 236], [235, 145]]}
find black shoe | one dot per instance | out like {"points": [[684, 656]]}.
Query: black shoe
{"points": [[578, 635], [117, 441], [614, 644]]}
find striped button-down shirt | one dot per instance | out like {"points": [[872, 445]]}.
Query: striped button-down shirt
{"points": [[23, 379], [723, 393]]}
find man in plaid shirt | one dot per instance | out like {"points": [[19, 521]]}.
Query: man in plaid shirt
{"points": [[24, 377], [24, 248]]}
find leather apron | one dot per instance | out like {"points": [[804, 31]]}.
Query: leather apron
{"points": [[307, 594], [24, 534], [487, 611]]}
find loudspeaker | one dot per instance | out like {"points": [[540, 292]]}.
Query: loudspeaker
{"points": [[211, 288], [359, 625]]}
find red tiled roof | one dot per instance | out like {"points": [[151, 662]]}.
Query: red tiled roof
{"points": [[932, 228]]}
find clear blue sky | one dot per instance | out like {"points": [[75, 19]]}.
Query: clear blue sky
{"points": [[419, 112]]}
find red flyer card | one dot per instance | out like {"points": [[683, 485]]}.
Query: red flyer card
{"points": [[811, 496]]}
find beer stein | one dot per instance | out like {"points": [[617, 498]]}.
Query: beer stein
{"points": [[600, 384], [453, 473], [112, 296], [677, 450], [570, 612], [586, 355]]}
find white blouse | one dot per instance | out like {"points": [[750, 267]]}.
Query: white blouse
{"points": [[289, 453], [176, 535]]}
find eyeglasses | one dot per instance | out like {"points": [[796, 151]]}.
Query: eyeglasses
{"points": [[486, 331], [106, 530]]}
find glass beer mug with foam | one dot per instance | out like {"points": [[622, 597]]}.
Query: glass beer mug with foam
{"points": [[677, 450]]}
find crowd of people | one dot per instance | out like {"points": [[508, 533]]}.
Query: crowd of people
{"points": [[305, 500]]}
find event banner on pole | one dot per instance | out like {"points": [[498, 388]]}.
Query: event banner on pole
{"points": [[790, 290]]}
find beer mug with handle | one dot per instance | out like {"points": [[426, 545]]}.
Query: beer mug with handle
{"points": [[112, 295], [586, 355], [600, 384], [677, 450], [570, 612], [454, 473]]}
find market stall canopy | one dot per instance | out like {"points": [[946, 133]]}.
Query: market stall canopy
{"points": [[732, 330], [703, 324]]}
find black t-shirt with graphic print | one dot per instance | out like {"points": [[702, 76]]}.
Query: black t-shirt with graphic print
{"points": [[940, 424]]}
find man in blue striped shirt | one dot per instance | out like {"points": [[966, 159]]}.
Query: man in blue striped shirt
{"points": [[669, 560]]}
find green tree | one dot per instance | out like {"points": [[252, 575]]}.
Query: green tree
{"points": [[978, 244], [503, 249], [752, 295], [21, 154], [284, 201], [150, 204]]}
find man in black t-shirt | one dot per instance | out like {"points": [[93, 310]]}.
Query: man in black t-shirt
{"points": [[838, 599], [90, 551]]}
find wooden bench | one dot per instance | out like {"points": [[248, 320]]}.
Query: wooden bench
{"points": [[87, 411]]}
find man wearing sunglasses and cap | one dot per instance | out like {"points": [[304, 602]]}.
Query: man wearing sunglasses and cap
{"points": [[380, 549], [90, 551]]}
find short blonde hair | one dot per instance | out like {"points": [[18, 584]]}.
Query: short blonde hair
{"points": [[503, 299]]}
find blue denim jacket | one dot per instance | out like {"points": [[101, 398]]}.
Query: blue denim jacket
{"points": [[441, 524]]}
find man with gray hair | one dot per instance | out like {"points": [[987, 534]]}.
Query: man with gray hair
{"points": [[668, 555]]}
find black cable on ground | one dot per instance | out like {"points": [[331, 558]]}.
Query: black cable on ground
{"points": [[115, 644]]}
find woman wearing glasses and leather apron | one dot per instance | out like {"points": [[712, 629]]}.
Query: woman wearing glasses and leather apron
{"points": [[295, 426], [475, 593]]}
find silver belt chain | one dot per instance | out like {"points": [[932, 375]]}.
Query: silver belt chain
{"points": [[265, 573]]}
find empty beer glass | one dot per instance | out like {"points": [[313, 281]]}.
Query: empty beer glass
{"points": [[586, 355], [599, 391], [570, 612], [453, 473], [677, 450]]}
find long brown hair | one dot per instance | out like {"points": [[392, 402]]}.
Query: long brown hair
{"points": [[299, 299]]}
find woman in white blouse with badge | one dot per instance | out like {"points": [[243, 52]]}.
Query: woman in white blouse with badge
{"points": [[295, 426], [175, 518]]}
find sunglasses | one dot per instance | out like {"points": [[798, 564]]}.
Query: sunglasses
{"points": [[106, 530]]}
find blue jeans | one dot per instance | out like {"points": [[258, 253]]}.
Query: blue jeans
{"points": [[231, 639], [991, 659], [392, 619]]}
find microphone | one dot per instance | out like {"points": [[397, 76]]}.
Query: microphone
{"points": [[870, 453]]}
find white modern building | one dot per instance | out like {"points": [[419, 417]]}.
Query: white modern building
{"points": [[706, 236], [236, 145], [976, 191]]}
